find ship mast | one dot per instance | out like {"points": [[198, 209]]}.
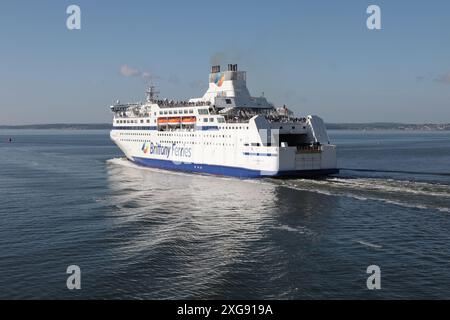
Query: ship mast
{"points": [[151, 93]]}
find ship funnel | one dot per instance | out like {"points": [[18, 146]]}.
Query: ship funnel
{"points": [[215, 69], [232, 67]]}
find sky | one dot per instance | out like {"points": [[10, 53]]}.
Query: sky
{"points": [[317, 57]]}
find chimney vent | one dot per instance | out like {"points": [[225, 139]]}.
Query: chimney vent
{"points": [[215, 69]]}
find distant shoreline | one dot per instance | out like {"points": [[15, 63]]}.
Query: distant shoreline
{"points": [[61, 126], [330, 126]]}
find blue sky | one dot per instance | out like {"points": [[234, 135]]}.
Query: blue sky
{"points": [[317, 57]]}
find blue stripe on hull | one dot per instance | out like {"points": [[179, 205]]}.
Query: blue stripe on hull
{"points": [[227, 171]]}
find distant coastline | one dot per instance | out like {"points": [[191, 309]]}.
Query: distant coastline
{"points": [[330, 126], [390, 126], [61, 126]]}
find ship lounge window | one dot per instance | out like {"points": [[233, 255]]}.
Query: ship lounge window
{"points": [[211, 119], [191, 111], [202, 111], [221, 120], [161, 112], [205, 120], [228, 101], [185, 111], [255, 144], [142, 121], [170, 112], [165, 112]]}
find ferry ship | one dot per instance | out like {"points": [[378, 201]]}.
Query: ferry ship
{"points": [[225, 132]]}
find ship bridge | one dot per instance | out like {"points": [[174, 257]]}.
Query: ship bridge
{"points": [[228, 89]]}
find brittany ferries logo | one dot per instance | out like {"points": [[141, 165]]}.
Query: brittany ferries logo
{"points": [[219, 79], [145, 147], [161, 150]]}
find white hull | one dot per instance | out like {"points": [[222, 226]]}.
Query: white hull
{"points": [[225, 151]]}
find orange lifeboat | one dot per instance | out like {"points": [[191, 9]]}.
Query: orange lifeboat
{"points": [[163, 120], [174, 120], [189, 119]]}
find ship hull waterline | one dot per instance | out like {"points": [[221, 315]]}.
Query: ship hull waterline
{"points": [[229, 171]]}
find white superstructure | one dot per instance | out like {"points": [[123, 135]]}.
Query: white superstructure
{"points": [[225, 132]]}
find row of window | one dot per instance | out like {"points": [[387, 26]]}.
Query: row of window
{"points": [[220, 120], [184, 142], [176, 112], [176, 135], [134, 121], [198, 143], [185, 111]]}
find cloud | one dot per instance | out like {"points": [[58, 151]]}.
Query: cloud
{"points": [[443, 78], [128, 71]]}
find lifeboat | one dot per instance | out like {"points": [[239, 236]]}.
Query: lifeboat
{"points": [[189, 119], [174, 120], [163, 120]]}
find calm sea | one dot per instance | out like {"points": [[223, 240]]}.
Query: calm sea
{"points": [[69, 198]]}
